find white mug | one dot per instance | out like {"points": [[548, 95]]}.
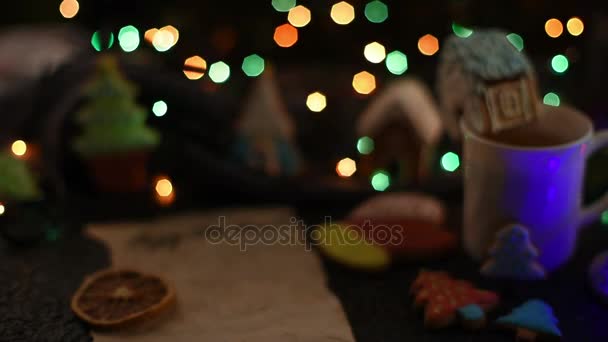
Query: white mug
{"points": [[537, 185]]}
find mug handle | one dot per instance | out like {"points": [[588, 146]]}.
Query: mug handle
{"points": [[593, 211]]}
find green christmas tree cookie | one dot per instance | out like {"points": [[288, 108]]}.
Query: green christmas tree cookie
{"points": [[16, 181], [112, 121]]}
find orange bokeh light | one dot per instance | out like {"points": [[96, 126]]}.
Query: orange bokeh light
{"points": [[174, 32], [342, 13], [19, 148], [554, 28], [286, 35], [428, 45], [299, 16], [575, 26], [165, 195], [195, 67], [364, 83], [346, 167], [69, 8], [164, 188], [316, 102], [149, 35]]}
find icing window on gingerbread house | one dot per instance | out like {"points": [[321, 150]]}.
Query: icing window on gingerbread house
{"points": [[506, 104], [510, 104]]}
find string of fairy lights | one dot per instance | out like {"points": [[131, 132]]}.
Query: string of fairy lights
{"points": [[287, 36]]}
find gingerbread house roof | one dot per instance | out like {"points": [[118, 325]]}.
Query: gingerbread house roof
{"points": [[486, 54], [264, 112], [413, 102]]}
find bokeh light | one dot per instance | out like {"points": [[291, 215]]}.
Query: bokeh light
{"points": [[163, 187], [554, 28], [19, 148], [299, 16], [160, 108], [365, 145], [346, 167], [219, 72], [396, 62], [376, 12], [342, 13], [450, 161], [2, 209], [163, 40], [516, 40], [364, 83], [605, 217], [559, 63], [428, 45], [380, 180], [195, 67], [575, 26], [102, 41], [150, 34], [461, 31], [551, 99], [285, 35], [69, 8], [253, 65], [283, 5], [316, 102], [174, 32], [374, 52], [128, 38]]}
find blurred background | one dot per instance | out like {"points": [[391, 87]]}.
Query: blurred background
{"points": [[196, 62]]}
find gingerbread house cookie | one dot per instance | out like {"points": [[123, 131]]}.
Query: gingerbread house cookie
{"points": [[486, 79], [405, 126]]}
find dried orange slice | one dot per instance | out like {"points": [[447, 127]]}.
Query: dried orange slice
{"points": [[121, 298]]}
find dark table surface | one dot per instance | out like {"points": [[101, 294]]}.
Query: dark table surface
{"points": [[37, 281]]}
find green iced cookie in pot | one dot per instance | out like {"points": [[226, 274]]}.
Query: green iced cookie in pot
{"points": [[115, 140], [22, 215], [16, 181], [348, 246]]}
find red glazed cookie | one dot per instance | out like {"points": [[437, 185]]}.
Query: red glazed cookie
{"points": [[400, 206], [441, 296], [408, 239]]}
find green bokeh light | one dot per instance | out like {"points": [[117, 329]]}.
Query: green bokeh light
{"points": [[605, 218], [450, 161], [102, 42], [396, 62], [219, 72], [559, 63], [551, 99], [253, 65], [365, 145], [380, 180], [160, 108], [376, 12], [283, 5], [128, 38], [52, 234], [516, 40], [461, 31]]}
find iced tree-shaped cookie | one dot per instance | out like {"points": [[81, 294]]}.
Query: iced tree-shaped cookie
{"points": [[441, 296], [112, 122], [16, 181], [531, 319], [513, 256]]}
